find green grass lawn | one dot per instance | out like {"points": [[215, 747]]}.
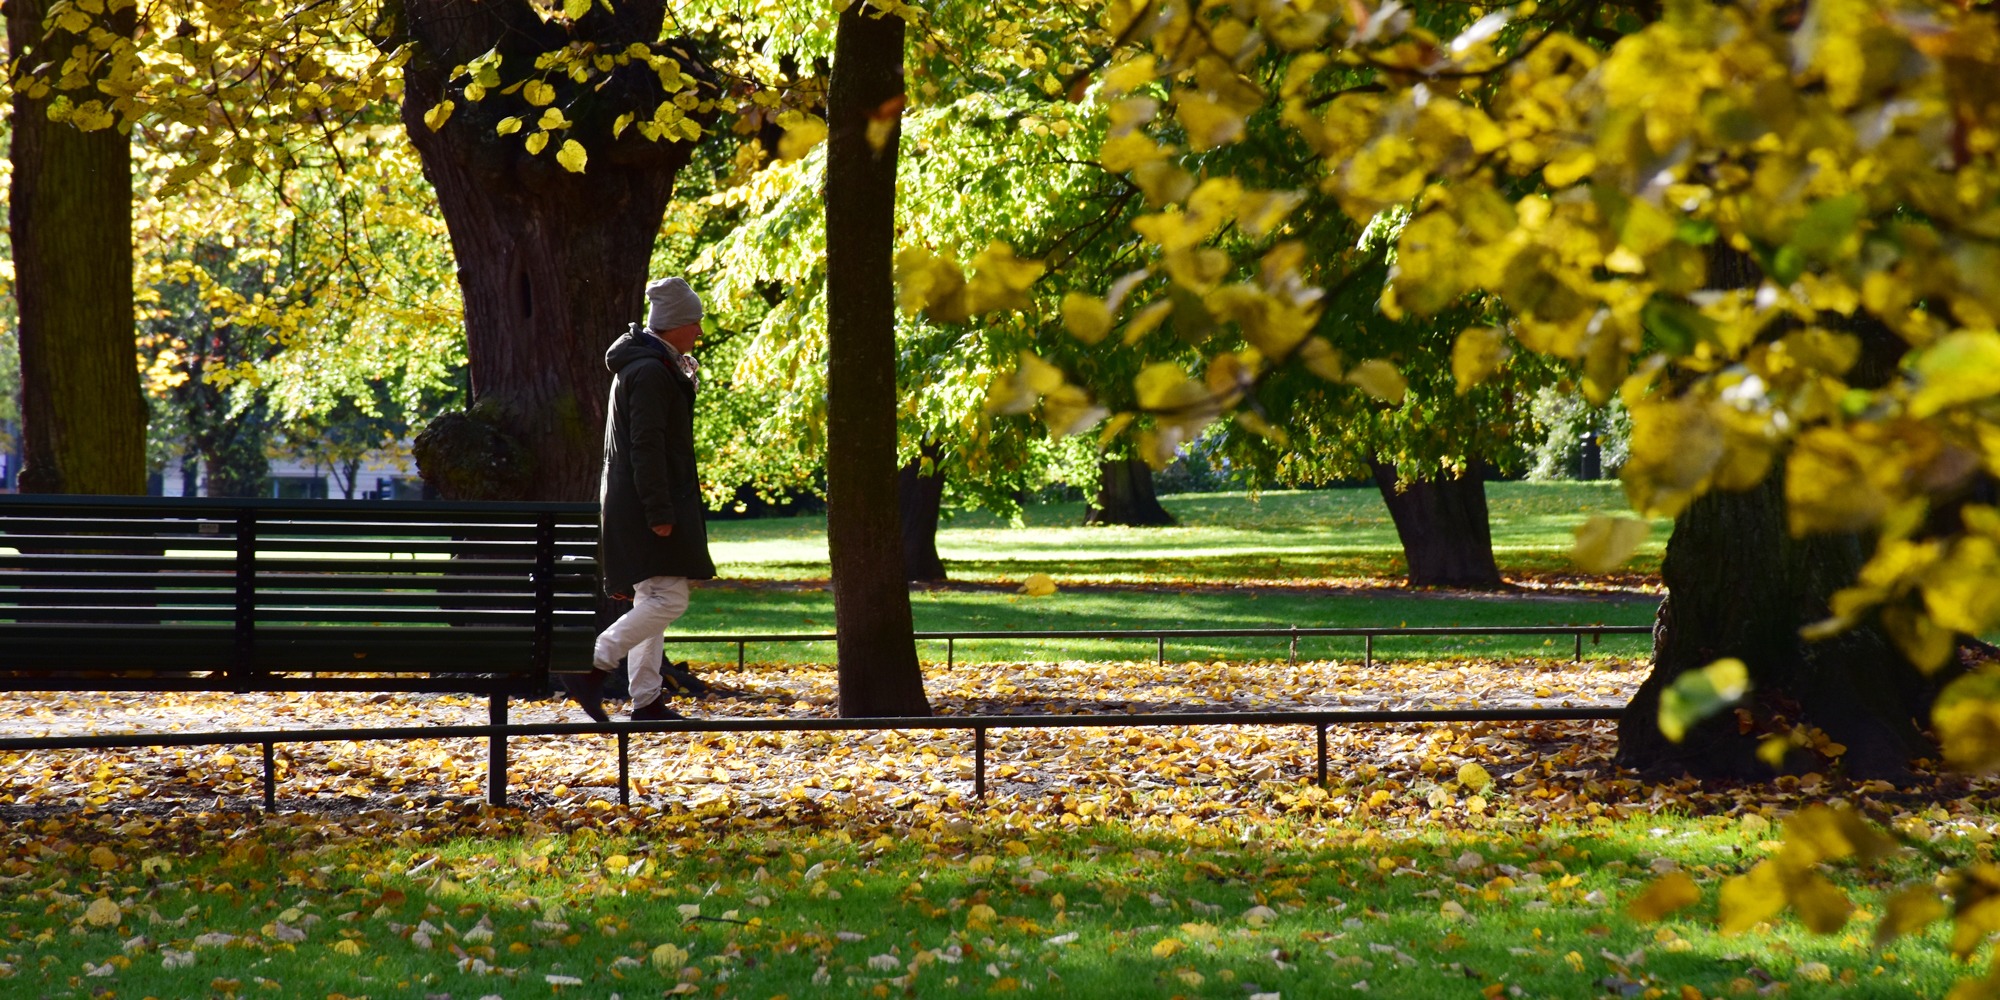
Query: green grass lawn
{"points": [[640, 904], [1338, 534], [734, 610]]}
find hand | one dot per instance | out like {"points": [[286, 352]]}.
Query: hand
{"points": [[663, 530]]}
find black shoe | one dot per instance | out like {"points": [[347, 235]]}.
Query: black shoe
{"points": [[654, 711], [680, 678], [587, 690]]}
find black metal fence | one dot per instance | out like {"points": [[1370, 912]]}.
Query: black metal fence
{"points": [[498, 733], [1293, 633]]}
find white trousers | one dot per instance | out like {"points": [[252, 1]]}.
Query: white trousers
{"points": [[636, 636]]}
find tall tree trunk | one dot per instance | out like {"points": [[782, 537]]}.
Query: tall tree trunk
{"points": [[83, 414], [1125, 496], [920, 495], [552, 264], [1738, 584], [1442, 523], [879, 674]]}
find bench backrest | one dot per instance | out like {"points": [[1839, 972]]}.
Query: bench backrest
{"points": [[292, 594]]}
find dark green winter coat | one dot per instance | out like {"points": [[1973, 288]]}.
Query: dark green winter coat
{"points": [[649, 469]]}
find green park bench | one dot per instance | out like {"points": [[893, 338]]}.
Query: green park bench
{"points": [[250, 595]]}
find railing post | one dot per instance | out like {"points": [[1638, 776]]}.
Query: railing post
{"points": [[624, 772], [1292, 659], [1579, 646], [496, 752], [979, 762], [1368, 650], [950, 650], [545, 603], [270, 777], [246, 597], [739, 656], [1163, 651], [1322, 755]]}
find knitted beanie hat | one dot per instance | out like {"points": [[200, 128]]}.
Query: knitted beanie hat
{"points": [[673, 303]]}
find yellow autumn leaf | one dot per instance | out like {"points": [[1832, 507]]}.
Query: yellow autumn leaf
{"points": [[1473, 777], [1820, 904], [1000, 280], [538, 93], [1476, 355], [1127, 76], [1164, 386], [1209, 123], [1086, 317], [623, 122], [439, 113], [1669, 893], [507, 126], [1038, 585], [1069, 409], [1909, 910], [348, 947], [1379, 379], [574, 9], [1321, 359], [669, 957], [1961, 367], [572, 157], [537, 142], [1966, 718], [1751, 898], [101, 857], [1603, 543], [800, 137], [101, 912], [552, 118], [1167, 947], [1697, 694]]}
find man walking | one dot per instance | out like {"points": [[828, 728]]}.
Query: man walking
{"points": [[650, 537]]}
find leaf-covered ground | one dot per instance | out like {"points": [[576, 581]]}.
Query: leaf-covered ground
{"points": [[1139, 862]]}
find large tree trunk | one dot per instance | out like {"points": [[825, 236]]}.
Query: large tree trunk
{"points": [[920, 495], [879, 674], [1125, 496], [83, 415], [552, 264], [1738, 584], [1443, 526]]}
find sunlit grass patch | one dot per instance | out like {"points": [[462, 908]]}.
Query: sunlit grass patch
{"points": [[1058, 900], [1278, 536]]}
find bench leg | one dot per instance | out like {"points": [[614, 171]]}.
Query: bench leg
{"points": [[496, 753]]}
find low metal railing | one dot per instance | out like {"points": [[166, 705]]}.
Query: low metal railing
{"points": [[1368, 635], [498, 733]]}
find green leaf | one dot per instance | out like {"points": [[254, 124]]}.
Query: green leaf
{"points": [[1698, 694]]}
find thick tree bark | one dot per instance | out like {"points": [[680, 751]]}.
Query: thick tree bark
{"points": [[1125, 496], [879, 673], [920, 495], [1738, 584], [552, 264], [83, 414], [1443, 526]]}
